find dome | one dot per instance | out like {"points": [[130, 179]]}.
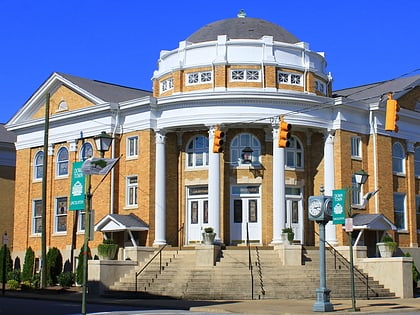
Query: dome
{"points": [[242, 28]]}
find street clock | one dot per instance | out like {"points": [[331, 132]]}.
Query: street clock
{"points": [[319, 208]]}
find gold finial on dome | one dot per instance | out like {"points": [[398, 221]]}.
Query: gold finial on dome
{"points": [[241, 13]]}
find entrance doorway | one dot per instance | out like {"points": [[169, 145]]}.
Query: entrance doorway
{"points": [[294, 213], [245, 215], [197, 213]]}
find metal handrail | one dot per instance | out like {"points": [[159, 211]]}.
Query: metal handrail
{"points": [[344, 260], [258, 263], [159, 252], [250, 261]]}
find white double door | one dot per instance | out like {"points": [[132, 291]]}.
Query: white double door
{"points": [[245, 215]]}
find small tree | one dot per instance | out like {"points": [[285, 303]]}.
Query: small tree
{"points": [[54, 265], [79, 270], [9, 262], [28, 265]]}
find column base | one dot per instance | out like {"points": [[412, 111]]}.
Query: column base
{"points": [[323, 303]]}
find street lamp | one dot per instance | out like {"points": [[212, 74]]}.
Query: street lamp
{"points": [[247, 155], [360, 177], [5, 242], [102, 142]]}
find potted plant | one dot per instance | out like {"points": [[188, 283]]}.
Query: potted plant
{"points": [[386, 246], [290, 234], [208, 236], [108, 249]]}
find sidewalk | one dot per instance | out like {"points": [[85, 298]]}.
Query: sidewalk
{"points": [[255, 307]]}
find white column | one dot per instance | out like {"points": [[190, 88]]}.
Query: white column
{"points": [[214, 187], [279, 191], [330, 232], [160, 190]]}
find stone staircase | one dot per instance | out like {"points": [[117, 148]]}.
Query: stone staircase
{"points": [[231, 277]]}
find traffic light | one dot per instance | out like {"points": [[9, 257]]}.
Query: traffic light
{"points": [[392, 109], [218, 141], [284, 133]]}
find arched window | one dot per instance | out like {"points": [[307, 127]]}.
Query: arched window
{"points": [[62, 162], [198, 152], [417, 161], [245, 149], [294, 153], [38, 165], [86, 151], [398, 158]]}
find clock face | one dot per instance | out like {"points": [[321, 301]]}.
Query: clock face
{"points": [[315, 208], [328, 207]]}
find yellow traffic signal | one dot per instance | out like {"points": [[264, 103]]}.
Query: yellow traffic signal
{"points": [[392, 109], [218, 141], [284, 134]]}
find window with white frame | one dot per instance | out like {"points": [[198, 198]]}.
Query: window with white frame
{"points": [[37, 217], [399, 211], [320, 86], [198, 151], [86, 151], [398, 158], [356, 151], [245, 75], [199, 77], [245, 149], [167, 85], [63, 162], [81, 220], [356, 192], [289, 78], [418, 211], [417, 161], [38, 165], [294, 153], [132, 146], [61, 215], [131, 191]]}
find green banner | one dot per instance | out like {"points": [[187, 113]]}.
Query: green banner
{"points": [[339, 206], [77, 189]]}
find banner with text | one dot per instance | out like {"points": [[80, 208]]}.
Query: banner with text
{"points": [[77, 189], [339, 206]]}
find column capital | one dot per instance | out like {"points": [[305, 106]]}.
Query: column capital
{"points": [[160, 136]]}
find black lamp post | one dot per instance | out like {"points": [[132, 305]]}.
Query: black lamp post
{"points": [[5, 241], [103, 142], [360, 178]]}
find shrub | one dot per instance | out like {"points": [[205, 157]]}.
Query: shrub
{"points": [[4, 251], [36, 280], [79, 269], [13, 284], [66, 279], [54, 265], [14, 275], [28, 265]]}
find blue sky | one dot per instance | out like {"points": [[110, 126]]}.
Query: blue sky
{"points": [[120, 41]]}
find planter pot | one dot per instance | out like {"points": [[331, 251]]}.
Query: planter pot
{"points": [[107, 251], [386, 249], [208, 238]]}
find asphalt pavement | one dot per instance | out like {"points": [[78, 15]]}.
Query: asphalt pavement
{"points": [[260, 307]]}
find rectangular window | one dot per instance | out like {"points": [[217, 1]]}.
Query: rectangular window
{"points": [[194, 212], [355, 147], [289, 78], [320, 87], [37, 217], [167, 85], [61, 215], [199, 77], [356, 192], [132, 146], [418, 211], [399, 211], [245, 75], [237, 211], [252, 211], [131, 195], [81, 220]]}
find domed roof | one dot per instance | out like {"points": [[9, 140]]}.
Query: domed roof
{"points": [[242, 28]]}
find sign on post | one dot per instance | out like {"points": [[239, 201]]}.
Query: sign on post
{"points": [[339, 206], [77, 189]]}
